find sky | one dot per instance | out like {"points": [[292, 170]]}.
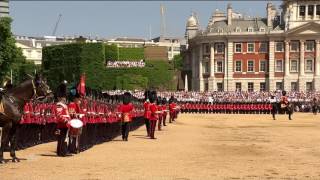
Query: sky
{"points": [[110, 19]]}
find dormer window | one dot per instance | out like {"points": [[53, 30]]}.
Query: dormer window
{"points": [[250, 29], [262, 29], [238, 29]]}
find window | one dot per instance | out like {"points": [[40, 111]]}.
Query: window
{"points": [[250, 86], [262, 29], [279, 85], [294, 66], [263, 47], [318, 10], [206, 86], [279, 47], [250, 66], [238, 86], [263, 86], [294, 46], [250, 29], [206, 48], [219, 86], [294, 86], [219, 66], [263, 66], [279, 66], [309, 45], [309, 86], [309, 65], [238, 66], [238, 47], [238, 29], [250, 47], [219, 48], [206, 67], [302, 10], [310, 10]]}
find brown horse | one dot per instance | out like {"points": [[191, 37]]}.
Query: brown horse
{"points": [[13, 102]]}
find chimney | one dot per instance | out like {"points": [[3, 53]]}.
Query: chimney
{"points": [[229, 14], [269, 15]]}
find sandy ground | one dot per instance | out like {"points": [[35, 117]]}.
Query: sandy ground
{"points": [[195, 147]]}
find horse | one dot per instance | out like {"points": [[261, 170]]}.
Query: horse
{"points": [[289, 109], [12, 103]]}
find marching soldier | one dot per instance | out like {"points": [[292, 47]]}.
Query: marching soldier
{"points": [[154, 115], [126, 109], [147, 112], [164, 111]]}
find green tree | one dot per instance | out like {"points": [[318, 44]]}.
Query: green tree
{"points": [[177, 62], [10, 54]]}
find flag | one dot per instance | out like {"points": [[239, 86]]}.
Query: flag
{"points": [[82, 85]]}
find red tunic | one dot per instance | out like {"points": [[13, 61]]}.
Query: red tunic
{"points": [[147, 112], [62, 115], [154, 115], [126, 109]]}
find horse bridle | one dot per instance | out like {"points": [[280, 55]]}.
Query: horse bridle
{"points": [[35, 95]]}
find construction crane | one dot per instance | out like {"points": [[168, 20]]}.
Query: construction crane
{"points": [[56, 26]]}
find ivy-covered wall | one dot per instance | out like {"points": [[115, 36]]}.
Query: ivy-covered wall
{"points": [[71, 60]]}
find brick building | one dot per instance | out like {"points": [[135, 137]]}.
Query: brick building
{"points": [[280, 51]]}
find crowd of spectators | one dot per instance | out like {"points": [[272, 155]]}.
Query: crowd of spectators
{"points": [[302, 100], [126, 64]]}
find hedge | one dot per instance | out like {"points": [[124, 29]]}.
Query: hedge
{"points": [[71, 60], [112, 51]]}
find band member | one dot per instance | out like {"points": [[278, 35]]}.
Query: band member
{"points": [[63, 118], [154, 115], [126, 109], [74, 112]]}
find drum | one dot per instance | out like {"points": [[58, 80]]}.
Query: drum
{"points": [[75, 127]]}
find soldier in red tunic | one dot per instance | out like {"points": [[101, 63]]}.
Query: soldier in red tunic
{"points": [[62, 118], [154, 114], [74, 112], [126, 109], [164, 111], [171, 110], [159, 107], [147, 112]]}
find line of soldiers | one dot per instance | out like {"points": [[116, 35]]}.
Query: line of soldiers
{"points": [[156, 110], [94, 112], [226, 108]]}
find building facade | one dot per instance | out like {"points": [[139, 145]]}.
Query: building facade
{"points": [[32, 46], [280, 51], [4, 8]]}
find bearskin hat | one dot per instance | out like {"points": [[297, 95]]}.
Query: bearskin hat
{"points": [[153, 96], [127, 98], [284, 93], [164, 101]]}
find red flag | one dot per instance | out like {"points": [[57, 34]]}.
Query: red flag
{"points": [[82, 86]]}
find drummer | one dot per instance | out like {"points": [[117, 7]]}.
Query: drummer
{"points": [[74, 112], [62, 119]]}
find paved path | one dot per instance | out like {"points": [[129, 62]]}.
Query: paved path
{"points": [[195, 147]]}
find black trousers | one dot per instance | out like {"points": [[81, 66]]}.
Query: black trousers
{"points": [[153, 124], [62, 146], [125, 128], [147, 122]]}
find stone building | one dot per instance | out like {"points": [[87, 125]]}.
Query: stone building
{"points": [[280, 51]]}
